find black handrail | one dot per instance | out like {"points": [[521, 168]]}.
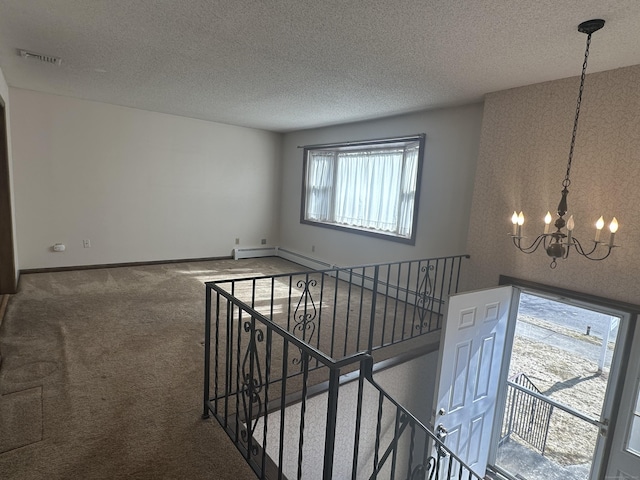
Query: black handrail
{"points": [[262, 371], [431, 466], [332, 269], [341, 311]]}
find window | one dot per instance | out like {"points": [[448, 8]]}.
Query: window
{"points": [[369, 187]]}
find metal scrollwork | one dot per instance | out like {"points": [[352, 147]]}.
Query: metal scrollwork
{"points": [[305, 314], [252, 384], [424, 296]]}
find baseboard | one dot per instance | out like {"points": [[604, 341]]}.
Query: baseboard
{"points": [[238, 253], [118, 265], [307, 261], [4, 301], [254, 252]]}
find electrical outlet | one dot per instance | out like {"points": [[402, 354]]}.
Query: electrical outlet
{"points": [[237, 241], [86, 243], [263, 241]]}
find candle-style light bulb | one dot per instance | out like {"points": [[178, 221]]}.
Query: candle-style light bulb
{"points": [[547, 222], [599, 226], [520, 223], [514, 220], [613, 228], [571, 224]]}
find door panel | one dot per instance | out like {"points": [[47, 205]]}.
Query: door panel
{"points": [[469, 373]]}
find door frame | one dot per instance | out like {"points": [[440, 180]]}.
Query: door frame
{"points": [[627, 407], [629, 314], [8, 282]]}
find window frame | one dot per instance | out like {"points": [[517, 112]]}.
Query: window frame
{"points": [[384, 143]]}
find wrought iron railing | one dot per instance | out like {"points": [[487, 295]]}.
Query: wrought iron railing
{"points": [[527, 416], [341, 311], [410, 450], [252, 401], [531, 415], [265, 363]]}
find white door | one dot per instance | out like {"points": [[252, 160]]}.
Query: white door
{"points": [[471, 357], [624, 462]]}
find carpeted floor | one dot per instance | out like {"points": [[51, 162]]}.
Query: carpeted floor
{"points": [[101, 375]]}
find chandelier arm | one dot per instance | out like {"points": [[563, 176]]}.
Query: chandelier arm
{"points": [[531, 248], [580, 249], [587, 255], [601, 258]]}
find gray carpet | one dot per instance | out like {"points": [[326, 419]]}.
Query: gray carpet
{"points": [[101, 375]]}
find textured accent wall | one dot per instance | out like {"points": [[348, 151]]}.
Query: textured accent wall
{"points": [[524, 148]]}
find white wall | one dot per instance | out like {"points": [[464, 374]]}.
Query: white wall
{"points": [[451, 149], [4, 93], [140, 185], [411, 384]]}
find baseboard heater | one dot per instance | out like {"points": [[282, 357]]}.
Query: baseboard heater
{"points": [[254, 252], [295, 257], [304, 260]]}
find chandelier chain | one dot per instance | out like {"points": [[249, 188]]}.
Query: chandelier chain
{"points": [[566, 182]]}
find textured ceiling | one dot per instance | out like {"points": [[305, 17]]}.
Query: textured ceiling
{"points": [[291, 64]]}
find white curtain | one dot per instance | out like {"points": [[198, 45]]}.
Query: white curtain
{"points": [[408, 192], [366, 189], [320, 167]]}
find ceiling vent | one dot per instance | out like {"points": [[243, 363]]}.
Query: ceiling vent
{"points": [[40, 57]]}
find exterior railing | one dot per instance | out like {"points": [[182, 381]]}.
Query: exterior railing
{"points": [[531, 413], [527, 416], [265, 367]]}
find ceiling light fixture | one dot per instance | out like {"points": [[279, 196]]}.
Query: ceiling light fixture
{"points": [[558, 244]]}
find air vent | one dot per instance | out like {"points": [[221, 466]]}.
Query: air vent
{"points": [[40, 57]]}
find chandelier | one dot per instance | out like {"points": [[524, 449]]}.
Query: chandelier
{"points": [[560, 242]]}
